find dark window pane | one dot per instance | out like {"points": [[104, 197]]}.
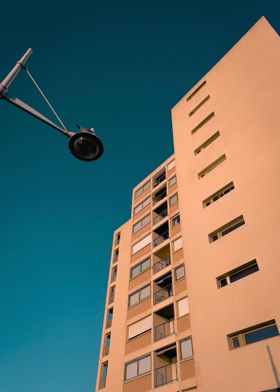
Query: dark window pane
{"points": [[233, 227], [235, 342], [223, 282], [261, 334], [245, 272]]}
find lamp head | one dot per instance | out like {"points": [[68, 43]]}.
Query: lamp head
{"points": [[85, 145]]}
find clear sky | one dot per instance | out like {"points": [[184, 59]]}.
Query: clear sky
{"points": [[118, 66]]}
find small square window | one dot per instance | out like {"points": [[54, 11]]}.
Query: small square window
{"points": [[180, 272]]}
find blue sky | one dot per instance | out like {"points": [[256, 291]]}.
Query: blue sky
{"points": [[119, 67]]}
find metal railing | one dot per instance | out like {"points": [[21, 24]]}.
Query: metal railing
{"points": [[163, 293], [159, 216], [158, 180], [165, 374], [161, 264], [163, 330], [159, 239], [159, 197]]}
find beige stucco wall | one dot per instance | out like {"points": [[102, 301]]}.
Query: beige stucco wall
{"points": [[244, 94]]}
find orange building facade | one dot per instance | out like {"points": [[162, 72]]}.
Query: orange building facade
{"points": [[193, 300]]}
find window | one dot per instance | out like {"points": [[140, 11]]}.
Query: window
{"points": [[107, 342], [175, 220], [213, 165], [206, 143], [196, 90], [179, 272], [141, 223], [172, 181], [203, 122], [226, 229], [117, 238], [238, 273], [139, 268], [142, 189], [142, 205], [115, 255], [140, 327], [186, 348], [177, 244], [183, 307], [141, 244], [253, 334], [139, 296], [171, 165], [137, 367], [199, 106], [109, 318], [112, 294], [114, 274], [103, 375], [217, 195], [173, 199]]}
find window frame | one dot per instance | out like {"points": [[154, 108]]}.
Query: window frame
{"points": [[137, 360], [181, 353], [141, 222], [142, 204], [142, 189], [171, 197], [173, 183], [175, 272], [141, 269], [139, 295], [218, 194], [173, 224], [226, 229], [251, 264]]}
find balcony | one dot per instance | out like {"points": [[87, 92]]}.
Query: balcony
{"points": [[158, 179], [163, 330], [160, 213], [163, 288], [160, 234], [161, 264], [165, 375], [165, 362], [160, 195]]}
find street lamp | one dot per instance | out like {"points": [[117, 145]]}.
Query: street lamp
{"points": [[84, 144]]}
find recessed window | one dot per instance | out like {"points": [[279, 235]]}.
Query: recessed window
{"points": [[238, 273], [192, 112], [141, 244], [213, 165], [177, 244], [173, 199], [206, 143], [137, 367], [203, 122], [179, 272], [142, 205], [109, 317], [116, 255], [175, 220], [142, 189], [103, 375], [112, 294], [172, 181], [196, 90], [253, 334], [186, 348], [114, 274], [217, 195], [139, 268], [117, 238], [141, 223], [226, 229], [183, 307], [107, 342], [140, 327], [139, 296]]}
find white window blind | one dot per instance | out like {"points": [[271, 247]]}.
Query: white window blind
{"points": [[140, 327], [141, 244], [171, 165], [186, 348], [183, 307], [178, 244]]}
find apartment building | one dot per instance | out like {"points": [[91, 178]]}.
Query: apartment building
{"points": [[193, 300]]}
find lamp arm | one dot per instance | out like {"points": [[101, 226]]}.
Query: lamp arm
{"points": [[23, 106]]}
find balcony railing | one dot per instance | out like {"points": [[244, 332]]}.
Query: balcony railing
{"points": [[163, 294], [160, 216], [160, 196], [166, 374], [159, 239], [163, 330], [161, 264], [158, 180]]}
